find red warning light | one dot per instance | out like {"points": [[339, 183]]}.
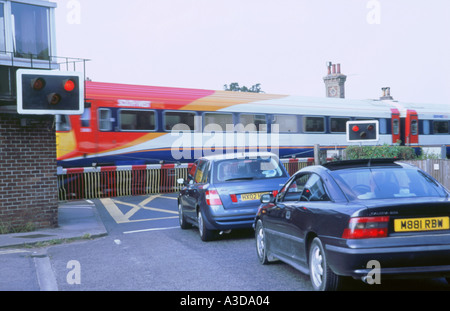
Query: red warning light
{"points": [[370, 127], [355, 128], [69, 85]]}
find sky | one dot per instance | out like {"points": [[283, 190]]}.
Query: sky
{"points": [[282, 44]]}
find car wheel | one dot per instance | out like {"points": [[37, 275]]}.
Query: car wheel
{"points": [[261, 244], [322, 277], [182, 218], [205, 233]]}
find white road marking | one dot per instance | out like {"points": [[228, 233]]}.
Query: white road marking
{"points": [[152, 229]]}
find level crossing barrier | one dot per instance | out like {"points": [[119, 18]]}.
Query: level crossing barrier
{"points": [[118, 181]]}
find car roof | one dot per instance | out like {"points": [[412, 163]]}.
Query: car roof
{"points": [[363, 163], [241, 155]]}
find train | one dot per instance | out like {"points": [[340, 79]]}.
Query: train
{"points": [[135, 125]]}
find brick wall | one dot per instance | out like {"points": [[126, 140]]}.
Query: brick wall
{"points": [[28, 181]]}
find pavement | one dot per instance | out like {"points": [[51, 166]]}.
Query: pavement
{"points": [[77, 220]]}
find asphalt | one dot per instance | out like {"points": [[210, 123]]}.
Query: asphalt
{"points": [[76, 220]]}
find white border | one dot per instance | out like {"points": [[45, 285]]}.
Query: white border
{"points": [[44, 73]]}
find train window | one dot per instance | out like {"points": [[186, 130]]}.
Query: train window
{"points": [[383, 126], [414, 127], [286, 123], [258, 120], [172, 118], [104, 120], [426, 127], [137, 120], [314, 124], [62, 123], [218, 121], [395, 126], [440, 127], [86, 118], [338, 125]]}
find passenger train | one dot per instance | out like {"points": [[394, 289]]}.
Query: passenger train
{"points": [[133, 125]]}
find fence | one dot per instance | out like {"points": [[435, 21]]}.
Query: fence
{"points": [[116, 181], [92, 183], [438, 168]]}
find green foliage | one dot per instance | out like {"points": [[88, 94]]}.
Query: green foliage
{"points": [[377, 152], [234, 87]]}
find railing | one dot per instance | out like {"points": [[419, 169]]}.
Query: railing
{"points": [[91, 183], [117, 181]]}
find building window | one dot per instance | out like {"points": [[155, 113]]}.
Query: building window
{"points": [[314, 124], [31, 31], [137, 120], [172, 118], [286, 123], [2, 29]]}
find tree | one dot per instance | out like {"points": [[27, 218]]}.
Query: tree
{"points": [[234, 87]]}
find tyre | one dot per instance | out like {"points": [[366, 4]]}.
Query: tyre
{"points": [[261, 243], [205, 233], [182, 218], [322, 277]]}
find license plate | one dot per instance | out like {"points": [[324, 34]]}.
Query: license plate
{"points": [[252, 196], [421, 224]]}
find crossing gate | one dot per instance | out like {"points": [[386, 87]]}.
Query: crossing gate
{"points": [[117, 181]]}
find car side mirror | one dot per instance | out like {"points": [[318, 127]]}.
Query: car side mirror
{"points": [[267, 198]]}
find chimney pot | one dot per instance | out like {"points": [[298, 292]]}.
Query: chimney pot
{"points": [[339, 68], [334, 68]]}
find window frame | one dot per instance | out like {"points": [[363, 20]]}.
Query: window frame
{"points": [[294, 116], [100, 120], [440, 121], [345, 125], [119, 120], [314, 132], [258, 129], [216, 113], [178, 111]]}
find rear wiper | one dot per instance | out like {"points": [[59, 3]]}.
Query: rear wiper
{"points": [[240, 178]]}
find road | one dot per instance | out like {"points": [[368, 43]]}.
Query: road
{"points": [[145, 250]]}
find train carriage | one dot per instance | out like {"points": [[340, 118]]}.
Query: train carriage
{"points": [[131, 124]]}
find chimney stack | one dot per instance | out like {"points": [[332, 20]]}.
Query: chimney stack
{"points": [[386, 94], [335, 81]]}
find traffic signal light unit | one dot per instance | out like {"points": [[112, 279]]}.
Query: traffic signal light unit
{"points": [[45, 92], [362, 131]]}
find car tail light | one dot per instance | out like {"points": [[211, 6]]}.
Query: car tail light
{"points": [[366, 228], [233, 198], [212, 197]]}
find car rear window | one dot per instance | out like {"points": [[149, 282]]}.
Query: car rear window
{"points": [[386, 183], [248, 169]]}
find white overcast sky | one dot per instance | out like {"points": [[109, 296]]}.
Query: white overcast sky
{"points": [[282, 44]]}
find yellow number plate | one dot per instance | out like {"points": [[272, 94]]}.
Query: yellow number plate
{"points": [[421, 224], [252, 196]]}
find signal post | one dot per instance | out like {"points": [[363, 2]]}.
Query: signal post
{"points": [[33, 89]]}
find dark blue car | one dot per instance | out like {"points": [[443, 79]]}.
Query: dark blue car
{"points": [[223, 192], [366, 219]]}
